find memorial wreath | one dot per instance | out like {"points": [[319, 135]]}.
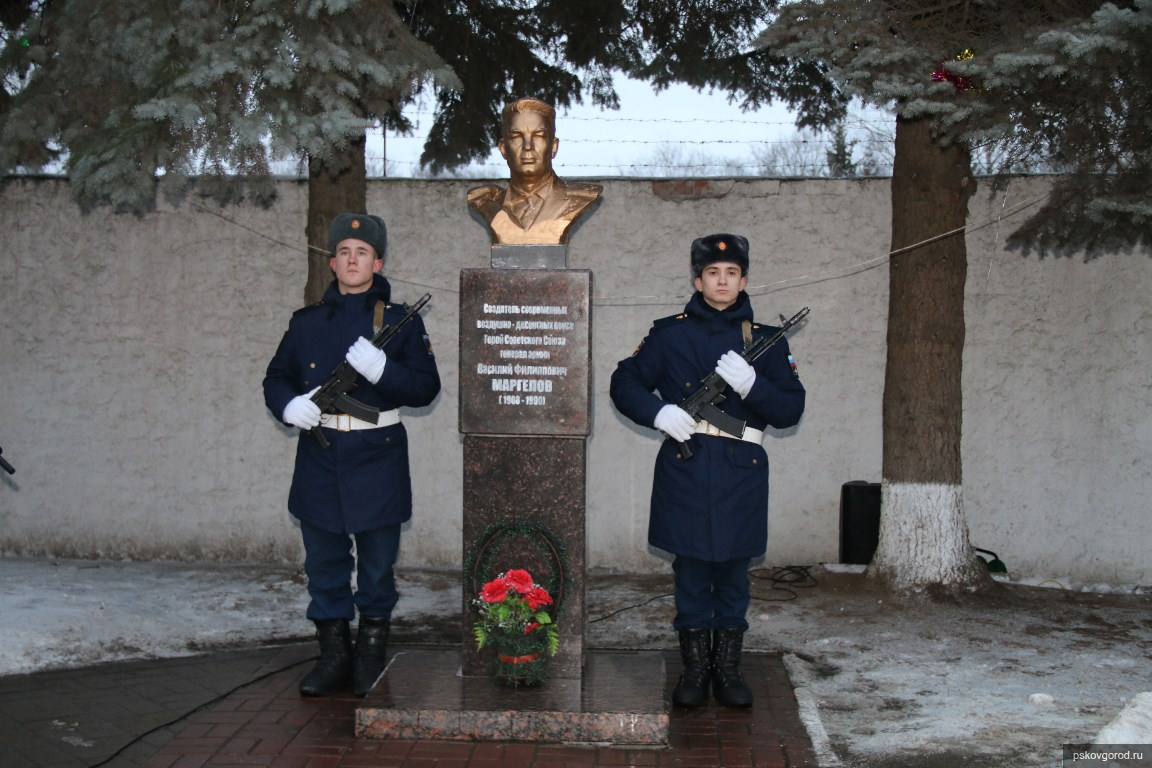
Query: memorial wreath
{"points": [[515, 623]]}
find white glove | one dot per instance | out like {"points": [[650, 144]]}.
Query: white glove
{"points": [[367, 360], [675, 422], [735, 370], [302, 412]]}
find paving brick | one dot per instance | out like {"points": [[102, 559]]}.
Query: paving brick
{"points": [[224, 714]]}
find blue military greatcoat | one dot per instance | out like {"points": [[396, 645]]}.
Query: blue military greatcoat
{"points": [[362, 481], [713, 506]]}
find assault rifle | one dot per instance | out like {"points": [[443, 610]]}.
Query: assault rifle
{"points": [[703, 403], [333, 394]]}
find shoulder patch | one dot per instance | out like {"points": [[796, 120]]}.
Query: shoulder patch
{"points": [[664, 322], [308, 308]]}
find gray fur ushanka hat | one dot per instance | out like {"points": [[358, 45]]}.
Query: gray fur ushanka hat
{"points": [[362, 226]]}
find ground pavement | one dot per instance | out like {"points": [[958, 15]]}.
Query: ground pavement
{"points": [[241, 708]]}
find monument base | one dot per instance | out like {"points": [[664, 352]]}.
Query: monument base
{"points": [[423, 695]]}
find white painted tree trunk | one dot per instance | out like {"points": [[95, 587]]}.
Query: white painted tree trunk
{"points": [[924, 538]]}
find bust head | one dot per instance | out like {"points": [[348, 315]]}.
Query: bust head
{"points": [[528, 140]]}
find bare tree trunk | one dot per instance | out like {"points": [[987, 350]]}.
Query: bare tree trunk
{"points": [[923, 531], [328, 195]]}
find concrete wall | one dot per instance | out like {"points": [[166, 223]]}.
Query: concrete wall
{"points": [[132, 350]]}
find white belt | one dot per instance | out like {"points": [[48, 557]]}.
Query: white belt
{"points": [[750, 435], [342, 422]]}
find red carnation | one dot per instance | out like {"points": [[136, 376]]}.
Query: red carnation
{"points": [[494, 591], [536, 597], [519, 580]]}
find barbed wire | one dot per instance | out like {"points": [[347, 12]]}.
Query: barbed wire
{"points": [[701, 142], [806, 170], [723, 167], [852, 120], [795, 139], [869, 142]]}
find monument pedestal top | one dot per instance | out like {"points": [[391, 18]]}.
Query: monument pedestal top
{"points": [[423, 695]]}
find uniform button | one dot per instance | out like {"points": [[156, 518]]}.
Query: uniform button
{"points": [[311, 365], [755, 461]]}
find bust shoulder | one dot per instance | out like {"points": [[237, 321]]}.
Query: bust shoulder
{"points": [[486, 193], [584, 189], [579, 190]]}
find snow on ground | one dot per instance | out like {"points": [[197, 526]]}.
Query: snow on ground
{"points": [[68, 613], [999, 682]]}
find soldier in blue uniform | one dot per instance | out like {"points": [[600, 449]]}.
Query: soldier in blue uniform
{"points": [[358, 489], [711, 510]]}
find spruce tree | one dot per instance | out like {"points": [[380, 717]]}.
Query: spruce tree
{"points": [[957, 73], [132, 96], [1079, 95], [135, 96], [839, 155]]}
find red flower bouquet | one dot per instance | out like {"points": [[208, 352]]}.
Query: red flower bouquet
{"points": [[514, 620]]}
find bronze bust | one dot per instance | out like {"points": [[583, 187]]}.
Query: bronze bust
{"points": [[537, 207]]}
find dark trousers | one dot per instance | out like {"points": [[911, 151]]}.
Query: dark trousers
{"points": [[711, 595], [329, 564]]}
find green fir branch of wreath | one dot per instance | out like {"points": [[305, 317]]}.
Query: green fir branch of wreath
{"points": [[479, 569]]}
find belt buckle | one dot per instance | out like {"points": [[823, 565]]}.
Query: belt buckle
{"points": [[343, 422]]}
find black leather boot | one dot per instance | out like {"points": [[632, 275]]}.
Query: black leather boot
{"points": [[727, 685], [692, 690], [333, 671], [371, 646]]}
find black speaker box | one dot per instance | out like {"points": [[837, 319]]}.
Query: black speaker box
{"points": [[859, 521]]}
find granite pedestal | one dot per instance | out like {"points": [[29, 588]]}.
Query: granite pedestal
{"points": [[525, 363], [424, 695], [525, 384]]}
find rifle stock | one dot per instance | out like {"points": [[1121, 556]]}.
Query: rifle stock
{"points": [[332, 396], [703, 403]]}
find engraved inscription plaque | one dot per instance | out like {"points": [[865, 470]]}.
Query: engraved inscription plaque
{"points": [[525, 353]]}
